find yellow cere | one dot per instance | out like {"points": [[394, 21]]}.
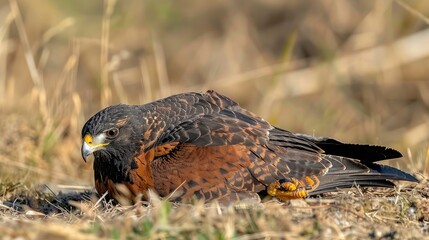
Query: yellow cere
{"points": [[88, 139]]}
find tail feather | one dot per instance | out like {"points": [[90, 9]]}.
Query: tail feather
{"points": [[332, 187], [390, 172], [361, 174], [365, 153]]}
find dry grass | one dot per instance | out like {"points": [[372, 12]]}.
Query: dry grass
{"points": [[355, 214], [353, 70]]}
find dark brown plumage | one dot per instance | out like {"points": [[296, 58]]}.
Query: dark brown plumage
{"points": [[205, 145]]}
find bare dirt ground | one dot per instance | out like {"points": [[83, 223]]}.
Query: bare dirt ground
{"points": [[352, 70]]}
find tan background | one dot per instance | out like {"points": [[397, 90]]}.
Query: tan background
{"points": [[354, 70]]}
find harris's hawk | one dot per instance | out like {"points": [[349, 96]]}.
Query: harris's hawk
{"points": [[205, 145]]}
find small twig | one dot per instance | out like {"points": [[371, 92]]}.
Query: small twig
{"points": [[57, 29], [175, 190], [413, 11], [99, 201], [8, 208], [349, 211]]}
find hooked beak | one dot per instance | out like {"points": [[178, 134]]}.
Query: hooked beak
{"points": [[91, 145]]}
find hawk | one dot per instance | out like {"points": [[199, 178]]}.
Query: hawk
{"points": [[205, 146]]}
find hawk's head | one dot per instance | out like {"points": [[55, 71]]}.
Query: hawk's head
{"points": [[112, 133]]}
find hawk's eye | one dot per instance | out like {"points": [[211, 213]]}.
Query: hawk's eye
{"points": [[112, 133]]}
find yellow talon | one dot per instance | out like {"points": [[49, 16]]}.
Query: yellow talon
{"points": [[287, 190], [290, 186], [309, 181], [312, 182], [272, 188]]}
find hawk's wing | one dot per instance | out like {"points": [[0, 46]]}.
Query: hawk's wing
{"points": [[225, 127], [229, 152], [215, 149]]}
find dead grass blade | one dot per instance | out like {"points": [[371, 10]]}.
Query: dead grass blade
{"points": [[413, 11], [7, 19], [161, 69], [31, 63], [106, 92]]}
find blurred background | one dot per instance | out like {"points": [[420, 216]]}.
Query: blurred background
{"points": [[357, 71]]}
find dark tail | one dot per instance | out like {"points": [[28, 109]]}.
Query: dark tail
{"points": [[376, 176], [354, 164], [365, 153]]}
